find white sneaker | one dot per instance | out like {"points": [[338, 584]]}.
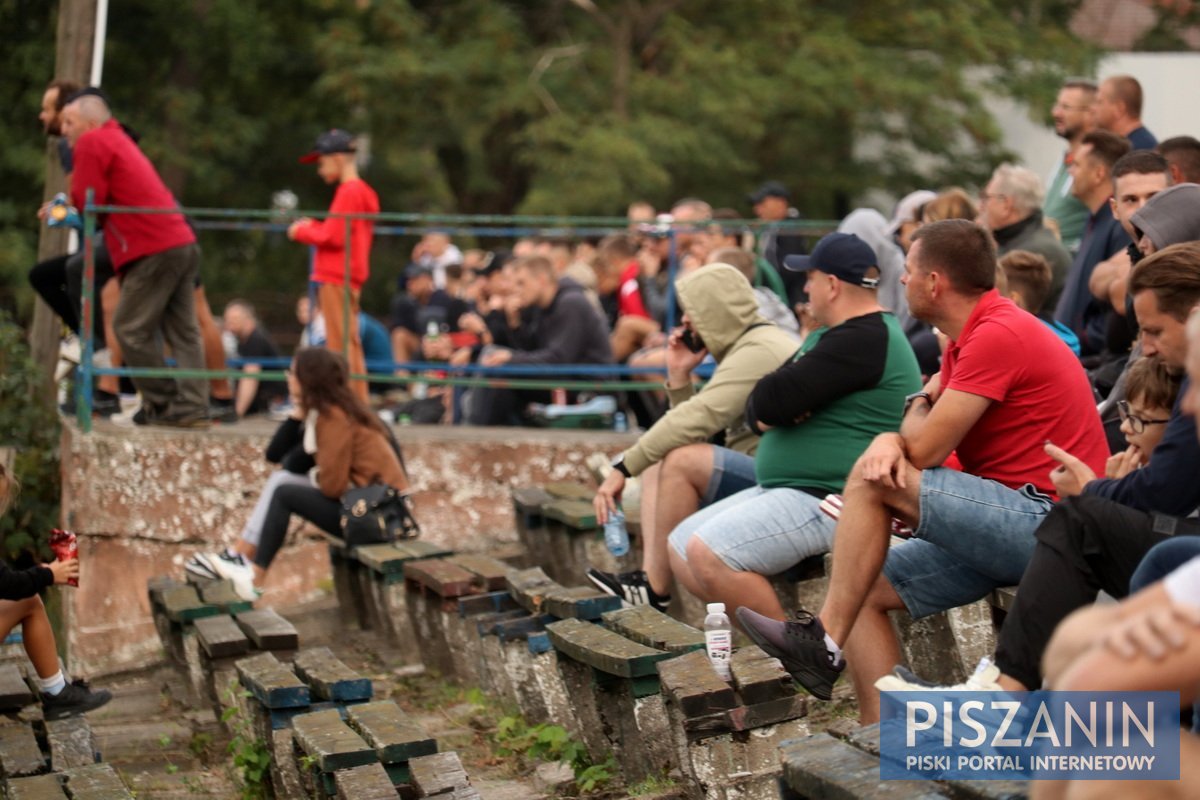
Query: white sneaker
{"points": [[984, 679], [69, 349], [237, 570]]}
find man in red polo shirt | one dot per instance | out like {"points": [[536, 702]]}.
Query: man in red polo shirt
{"points": [[1007, 385], [154, 256], [335, 157]]}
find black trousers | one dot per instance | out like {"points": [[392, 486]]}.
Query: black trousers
{"points": [[304, 501], [1085, 544], [59, 282]]}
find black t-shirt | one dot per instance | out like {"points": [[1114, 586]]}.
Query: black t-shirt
{"points": [[257, 346], [441, 309]]}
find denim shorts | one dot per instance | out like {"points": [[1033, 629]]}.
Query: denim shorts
{"points": [[759, 530], [732, 472], [975, 535]]}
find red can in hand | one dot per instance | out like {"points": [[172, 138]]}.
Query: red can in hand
{"points": [[65, 547]]}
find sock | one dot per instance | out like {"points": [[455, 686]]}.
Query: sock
{"points": [[52, 685], [835, 652]]}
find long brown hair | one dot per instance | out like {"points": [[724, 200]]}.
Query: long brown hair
{"points": [[324, 384]]}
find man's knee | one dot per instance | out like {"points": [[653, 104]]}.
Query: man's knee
{"points": [[692, 463], [882, 596], [705, 565]]}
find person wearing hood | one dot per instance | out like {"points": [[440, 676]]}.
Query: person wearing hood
{"points": [[564, 328], [1010, 206], [721, 317], [1170, 217], [870, 226], [816, 414]]}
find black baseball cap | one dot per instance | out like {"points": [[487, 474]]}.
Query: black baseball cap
{"points": [[415, 270], [842, 255], [769, 189], [328, 143]]}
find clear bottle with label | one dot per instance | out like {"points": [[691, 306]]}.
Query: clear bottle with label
{"points": [[616, 537], [718, 640]]}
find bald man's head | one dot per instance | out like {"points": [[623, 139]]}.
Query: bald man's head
{"points": [[82, 115]]}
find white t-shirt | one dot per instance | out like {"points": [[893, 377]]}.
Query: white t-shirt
{"points": [[1183, 585]]}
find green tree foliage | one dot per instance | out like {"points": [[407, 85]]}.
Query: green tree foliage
{"points": [[539, 106], [31, 432]]}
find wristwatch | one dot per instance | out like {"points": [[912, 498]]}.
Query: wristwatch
{"points": [[618, 464], [912, 398]]}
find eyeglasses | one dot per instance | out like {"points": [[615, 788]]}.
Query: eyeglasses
{"points": [[1136, 424], [984, 197]]}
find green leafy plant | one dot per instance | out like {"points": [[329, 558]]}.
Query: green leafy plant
{"points": [[31, 430], [251, 757], [545, 742]]}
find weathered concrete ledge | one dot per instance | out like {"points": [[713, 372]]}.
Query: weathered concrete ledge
{"points": [[143, 500]]}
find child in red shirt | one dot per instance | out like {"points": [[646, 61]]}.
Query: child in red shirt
{"points": [[334, 154]]}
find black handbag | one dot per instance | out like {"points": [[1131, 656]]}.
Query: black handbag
{"points": [[376, 514]]}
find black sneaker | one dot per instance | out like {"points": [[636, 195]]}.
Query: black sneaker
{"points": [[76, 698], [194, 421], [222, 411], [105, 404], [632, 587], [800, 645]]}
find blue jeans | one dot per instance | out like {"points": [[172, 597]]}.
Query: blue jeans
{"points": [[759, 530], [732, 472], [975, 535], [1163, 559]]}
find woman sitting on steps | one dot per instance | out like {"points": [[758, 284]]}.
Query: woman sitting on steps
{"points": [[331, 429]]}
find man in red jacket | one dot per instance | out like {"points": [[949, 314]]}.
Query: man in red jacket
{"points": [[155, 257], [334, 154]]}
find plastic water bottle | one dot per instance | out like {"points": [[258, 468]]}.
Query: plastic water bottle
{"points": [[620, 423], [615, 535], [718, 639]]}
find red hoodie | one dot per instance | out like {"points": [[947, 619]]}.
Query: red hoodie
{"points": [[329, 236], [110, 163]]}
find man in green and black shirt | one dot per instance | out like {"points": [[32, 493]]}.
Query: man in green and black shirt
{"points": [[817, 413]]}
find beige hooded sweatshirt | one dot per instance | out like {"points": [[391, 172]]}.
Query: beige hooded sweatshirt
{"points": [[722, 308]]}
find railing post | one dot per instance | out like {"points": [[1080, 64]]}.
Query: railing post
{"points": [[672, 268], [83, 383], [348, 324]]}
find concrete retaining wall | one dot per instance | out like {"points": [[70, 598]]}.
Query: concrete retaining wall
{"points": [[144, 499]]}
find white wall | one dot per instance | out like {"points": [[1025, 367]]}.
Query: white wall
{"points": [[1169, 82]]}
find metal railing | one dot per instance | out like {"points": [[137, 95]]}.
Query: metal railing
{"points": [[513, 376]]}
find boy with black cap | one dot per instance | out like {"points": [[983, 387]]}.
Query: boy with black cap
{"points": [[334, 153]]}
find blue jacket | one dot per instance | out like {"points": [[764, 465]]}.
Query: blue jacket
{"points": [[1168, 483], [1077, 309]]}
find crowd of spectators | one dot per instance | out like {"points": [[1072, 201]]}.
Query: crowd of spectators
{"points": [[984, 390]]}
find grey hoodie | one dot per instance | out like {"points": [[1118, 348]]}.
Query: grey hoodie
{"points": [[1172, 216]]}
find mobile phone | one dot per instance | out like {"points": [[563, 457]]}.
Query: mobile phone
{"points": [[691, 340]]}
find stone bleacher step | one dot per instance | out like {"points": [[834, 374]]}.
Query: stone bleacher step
{"points": [[487, 603], [222, 595], [569, 490], [443, 578], [267, 630], [489, 572], [221, 637], [96, 782], [72, 743], [20, 755], [14, 691], [396, 738], [537, 593], [441, 775], [366, 782], [822, 766], [325, 737], [866, 739], [577, 514], [328, 678], [649, 626], [603, 649], [762, 693], [389, 559], [182, 604], [37, 787], [271, 683]]}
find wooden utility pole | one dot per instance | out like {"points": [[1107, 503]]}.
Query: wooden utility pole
{"points": [[73, 60]]}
